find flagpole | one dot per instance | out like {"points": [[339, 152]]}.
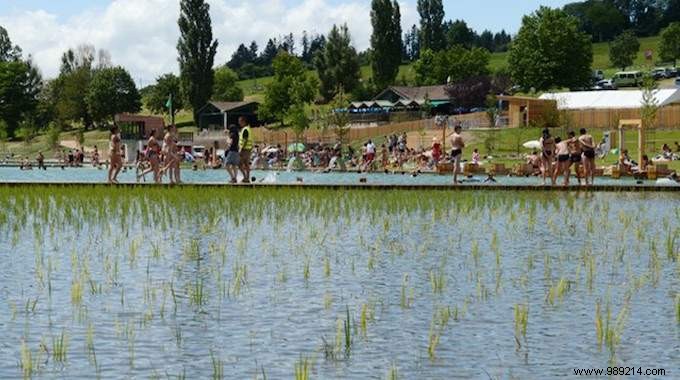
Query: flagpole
{"points": [[172, 111]]}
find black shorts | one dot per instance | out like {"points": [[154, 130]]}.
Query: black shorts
{"points": [[575, 158], [563, 158], [589, 153], [456, 152]]}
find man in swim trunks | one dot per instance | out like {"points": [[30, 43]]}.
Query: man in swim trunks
{"points": [[153, 155], [563, 161], [588, 147], [457, 144], [547, 156], [575, 153], [114, 156]]}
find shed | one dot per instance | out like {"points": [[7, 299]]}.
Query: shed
{"points": [[139, 127], [520, 111], [219, 115]]}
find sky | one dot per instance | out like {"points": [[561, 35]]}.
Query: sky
{"points": [[141, 35]]}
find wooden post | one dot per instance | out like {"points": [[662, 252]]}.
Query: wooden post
{"points": [[641, 142]]}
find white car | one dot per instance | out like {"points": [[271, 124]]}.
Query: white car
{"points": [[198, 151]]}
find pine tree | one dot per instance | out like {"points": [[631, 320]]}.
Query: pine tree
{"points": [[386, 41], [337, 64], [432, 34], [197, 50]]}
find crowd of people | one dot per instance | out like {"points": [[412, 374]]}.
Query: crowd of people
{"points": [[555, 159]]}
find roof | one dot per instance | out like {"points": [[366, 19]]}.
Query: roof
{"points": [[229, 106], [149, 121], [418, 93], [610, 99]]}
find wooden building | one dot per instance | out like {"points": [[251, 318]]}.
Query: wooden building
{"points": [[139, 127], [220, 115], [521, 111]]}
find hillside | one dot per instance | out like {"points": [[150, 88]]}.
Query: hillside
{"points": [[254, 88]]}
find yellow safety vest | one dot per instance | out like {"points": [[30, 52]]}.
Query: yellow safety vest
{"points": [[245, 144]]}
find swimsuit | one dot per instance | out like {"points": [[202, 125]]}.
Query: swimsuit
{"points": [[576, 157], [589, 153], [456, 152], [563, 158]]}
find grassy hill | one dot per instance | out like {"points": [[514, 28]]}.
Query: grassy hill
{"points": [[254, 88]]}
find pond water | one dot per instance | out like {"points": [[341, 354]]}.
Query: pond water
{"points": [[165, 283], [90, 175]]}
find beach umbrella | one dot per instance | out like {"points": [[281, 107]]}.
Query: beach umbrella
{"points": [[271, 150], [535, 144], [296, 147]]}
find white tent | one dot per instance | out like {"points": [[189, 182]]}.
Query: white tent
{"points": [[609, 99]]}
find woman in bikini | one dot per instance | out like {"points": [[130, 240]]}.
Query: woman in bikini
{"points": [[153, 155], [172, 158], [548, 155], [588, 147], [115, 157]]}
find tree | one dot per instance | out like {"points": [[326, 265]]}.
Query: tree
{"points": [[291, 85], [337, 64], [431, 25], [453, 65], [197, 51], [70, 90], [19, 87], [412, 44], [112, 91], [385, 41], [458, 33], [269, 53], [471, 92], [624, 49], [8, 52], [550, 52], [601, 19], [167, 85], [226, 89], [669, 46]]}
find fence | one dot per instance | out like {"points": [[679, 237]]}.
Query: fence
{"points": [[666, 117]]}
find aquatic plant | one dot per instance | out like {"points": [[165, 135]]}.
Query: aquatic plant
{"points": [[521, 320], [302, 368], [217, 367], [60, 347], [393, 373]]}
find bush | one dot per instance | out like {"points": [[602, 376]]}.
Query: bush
{"points": [[53, 135]]}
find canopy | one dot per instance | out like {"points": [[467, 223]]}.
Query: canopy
{"points": [[609, 99]]}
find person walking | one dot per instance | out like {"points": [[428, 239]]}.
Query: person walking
{"points": [[232, 159], [245, 142], [114, 156]]}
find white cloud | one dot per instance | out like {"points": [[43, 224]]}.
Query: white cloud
{"points": [[142, 34]]}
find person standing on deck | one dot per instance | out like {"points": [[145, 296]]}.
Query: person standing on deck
{"points": [[245, 142], [115, 157], [588, 147], [232, 159], [548, 154], [457, 144], [575, 153]]}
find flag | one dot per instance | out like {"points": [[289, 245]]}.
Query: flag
{"points": [[168, 104]]}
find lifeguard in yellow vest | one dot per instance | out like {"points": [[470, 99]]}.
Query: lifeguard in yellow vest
{"points": [[245, 147]]}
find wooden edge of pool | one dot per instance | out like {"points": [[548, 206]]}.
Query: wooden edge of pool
{"points": [[464, 187]]}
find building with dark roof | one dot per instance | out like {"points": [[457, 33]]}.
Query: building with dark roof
{"points": [[219, 115]]}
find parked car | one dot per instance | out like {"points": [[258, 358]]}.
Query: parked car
{"points": [[660, 73], [677, 82], [606, 84], [198, 151], [627, 79], [598, 75], [673, 71]]}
